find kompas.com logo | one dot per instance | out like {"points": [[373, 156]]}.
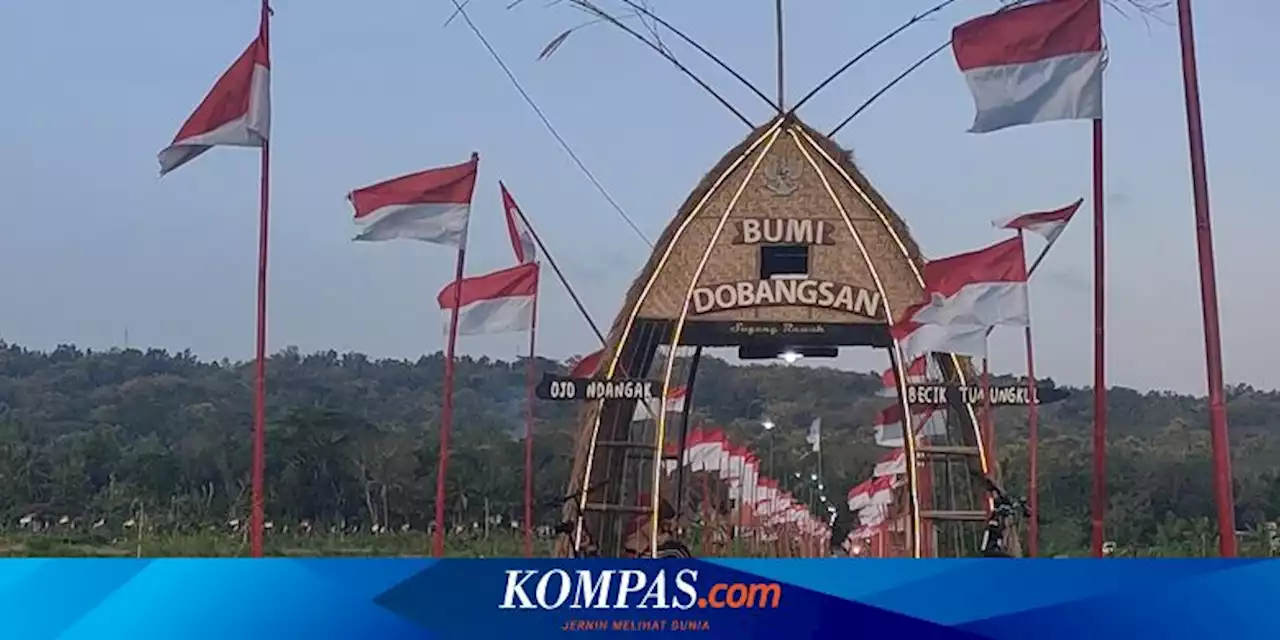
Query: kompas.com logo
{"points": [[631, 589]]}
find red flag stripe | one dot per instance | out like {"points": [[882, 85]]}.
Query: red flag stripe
{"points": [[1029, 33], [1000, 262], [446, 185], [515, 282], [1029, 220]]}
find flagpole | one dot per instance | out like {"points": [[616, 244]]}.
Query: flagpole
{"points": [[1221, 443], [542, 248], [530, 382], [258, 474], [1033, 431], [1099, 344], [988, 427], [446, 413], [1043, 252], [781, 52]]}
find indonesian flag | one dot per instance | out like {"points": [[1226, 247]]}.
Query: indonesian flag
{"points": [[235, 113], [586, 367], [496, 302], [705, 450], [928, 422], [1038, 62], [698, 448], [521, 236], [814, 437], [646, 410], [872, 515], [1047, 224], [860, 496], [917, 373], [882, 489], [431, 206], [968, 293], [891, 464]]}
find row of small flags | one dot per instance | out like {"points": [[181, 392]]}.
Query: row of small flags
{"points": [[767, 504]]}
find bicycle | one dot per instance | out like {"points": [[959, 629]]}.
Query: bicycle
{"points": [[1004, 510]]}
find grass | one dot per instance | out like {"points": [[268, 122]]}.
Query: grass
{"points": [[500, 543], [211, 545]]}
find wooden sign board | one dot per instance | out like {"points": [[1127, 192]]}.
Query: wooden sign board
{"points": [[1013, 394], [569, 389]]}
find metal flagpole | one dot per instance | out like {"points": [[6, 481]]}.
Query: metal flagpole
{"points": [[1099, 345], [259, 471], [988, 424], [1033, 432], [446, 413], [777, 12], [1208, 289]]}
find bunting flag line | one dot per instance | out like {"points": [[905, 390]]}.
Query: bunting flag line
{"points": [[1038, 62], [497, 302], [235, 113], [432, 206], [522, 242]]}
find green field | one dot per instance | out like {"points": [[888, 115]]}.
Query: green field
{"points": [[212, 544]]}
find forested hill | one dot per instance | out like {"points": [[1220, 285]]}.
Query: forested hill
{"points": [[94, 434]]}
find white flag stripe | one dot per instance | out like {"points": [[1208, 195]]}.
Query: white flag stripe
{"points": [[934, 338], [933, 424], [1061, 88], [503, 315], [442, 223], [979, 303]]}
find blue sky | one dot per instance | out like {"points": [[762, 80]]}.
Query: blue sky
{"points": [[96, 245]]}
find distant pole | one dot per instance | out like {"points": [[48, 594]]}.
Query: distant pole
{"points": [[777, 12], [1208, 290]]}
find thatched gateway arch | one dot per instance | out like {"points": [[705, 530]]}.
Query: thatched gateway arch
{"points": [[783, 245]]}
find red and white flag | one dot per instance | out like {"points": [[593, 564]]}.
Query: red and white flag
{"points": [[496, 302], [235, 113], [928, 422], [587, 365], [649, 410], [917, 373], [522, 242], [891, 464], [968, 293], [431, 206], [1038, 62], [860, 495], [1047, 224]]}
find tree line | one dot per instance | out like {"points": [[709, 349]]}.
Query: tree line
{"points": [[99, 436]]}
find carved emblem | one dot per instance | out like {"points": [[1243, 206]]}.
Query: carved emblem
{"points": [[782, 179]]}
